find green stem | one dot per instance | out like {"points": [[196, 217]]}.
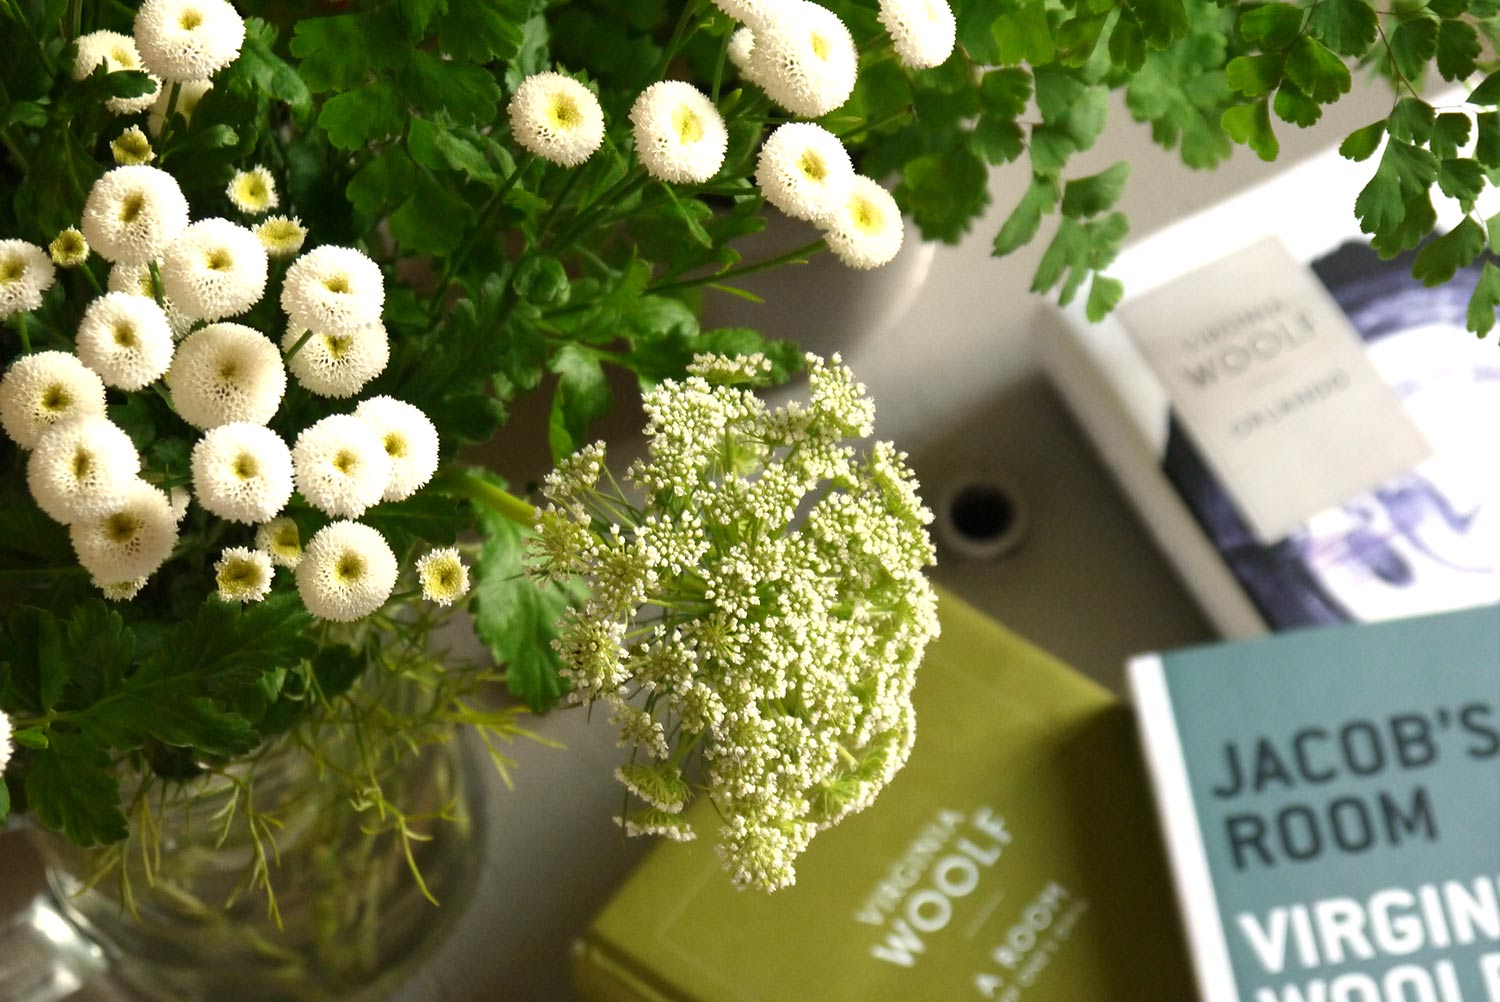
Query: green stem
{"points": [[156, 289], [798, 256], [88, 273], [589, 216], [872, 126], [306, 337], [719, 64], [680, 35], [467, 485], [16, 154], [75, 18], [486, 220], [166, 122], [25, 336]]}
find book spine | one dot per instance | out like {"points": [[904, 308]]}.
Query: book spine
{"points": [[601, 974]]}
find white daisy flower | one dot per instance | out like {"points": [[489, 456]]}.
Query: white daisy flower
{"points": [[679, 134], [136, 280], [341, 465], [130, 540], [81, 469], [69, 249], [126, 339], [336, 290], [756, 13], [557, 118], [214, 269], [804, 170], [121, 591], [741, 47], [410, 441], [806, 62], [253, 191], [444, 577], [281, 236], [280, 538], [131, 148], [346, 572], [242, 472], [189, 94], [115, 52], [243, 574], [179, 497], [44, 388], [226, 372], [133, 213], [866, 229], [182, 40], [922, 32], [26, 272], [338, 365], [5, 730]]}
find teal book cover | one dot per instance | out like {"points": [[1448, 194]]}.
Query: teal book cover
{"points": [[1331, 799]]}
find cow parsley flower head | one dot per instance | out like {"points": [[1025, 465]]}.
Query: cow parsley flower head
{"points": [[189, 93], [337, 365], [115, 52], [133, 213], [557, 118], [242, 472], [81, 468], [26, 272], [333, 290], [806, 62], [766, 606], [804, 170], [69, 249], [131, 148], [865, 231], [280, 538], [126, 339], [43, 389], [922, 32], [679, 134], [214, 269], [182, 40], [226, 372], [410, 440], [281, 236], [130, 540], [346, 572], [136, 279], [443, 575], [253, 191], [243, 574], [341, 466]]}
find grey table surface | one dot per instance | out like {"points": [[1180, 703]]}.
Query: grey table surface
{"points": [[943, 339]]}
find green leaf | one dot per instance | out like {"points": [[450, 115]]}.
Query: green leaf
{"points": [[1450, 133], [1484, 301], [1272, 25], [1418, 217], [1413, 44], [944, 192], [542, 279], [1488, 91], [997, 140], [434, 146], [1026, 218], [1023, 35], [466, 92], [432, 220], [1292, 105], [418, 14], [1348, 27], [1412, 120], [1127, 46], [424, 518], [1461, 179], [1104, 296], [1362, 143], [32, 646], [1250, 124], [1487, 139], [1162, 21], [1089, 196], [266, 71], [100, 649], [73, 789], [1458, 49], [339, 53], [1317, 71], [582, 396], [1404, 171], [1065, 262], [689, 219], [1254, 76], [382, 183], [1004, 93], [1441, 259], [483, 32], [355, 117]]}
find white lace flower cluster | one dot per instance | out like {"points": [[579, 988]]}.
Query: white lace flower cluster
{"points": [[765, 607]]}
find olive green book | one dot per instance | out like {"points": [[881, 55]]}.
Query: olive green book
{"points": [[1014, 858]]}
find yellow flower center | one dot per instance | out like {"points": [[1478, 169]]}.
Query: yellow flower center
{"points": [[395, 445], [338, 345], [56, 398], [239, 575], [229, 371], [121, 527], [812, 166], [349, 568], [866, 215], [123, 57], [820, 46], [190, 19], [688, 125], [286, 540], [345, 461], [124, 334], [245, 466], [12, 269], [83, 463], [131, 207], [337, 283], [218, 259], [563, 112]]}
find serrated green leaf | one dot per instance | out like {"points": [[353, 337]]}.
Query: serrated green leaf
{"points": [[1292, 105], [1162, 21], [1450, 133], [432, 220], [424, 519], [1461, 179], [1272, 25], [1488, 91], [1314, 68], [436, 147], [73, 789], [266, 71], [1026, 218], [1487, 139], [468, 93], [1412, 120], [32, 646], [1104, 296], [1089, 196], [1484, 300], [1065, 263], [1022, 34], [339, 53], [997, 140], [1413, 44], [1256, 75], [1418, 217], [382, 183], [418, 14], [1348, 27], [582, 397], [1078, 37], [99, 648], [1127, 45], [1362, 143], [483, 32], [356, 117], [944, 192], [1440, 260], [1250, 124], [1458, 49], [1004, 93]]}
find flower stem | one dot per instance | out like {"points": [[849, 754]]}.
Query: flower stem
{"points": [[306, 337], [166, 122], [467, 485], [797, 256], [25, 336], [486, 220], [156, 290], [88, 273]]}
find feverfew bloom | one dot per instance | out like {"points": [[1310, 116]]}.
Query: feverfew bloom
{"points": [[444, 577], [242, 472], [281, 236], [805, 62], [126, 339], [25, 273], [792, 566], [121, 591], [81, 469], [115, 52], [804, 170], [410, 441], [334, 290], [130, 540], [280, 539], [133, 213], [741, 47], [136, 279], [182, 40], [756, 13], [922, 31], [69, 249], [131, 148], [679, 134], [865, 230], [188, 96], [243, 574], [226, 372], [341, 465], [338, 365], [214, 269], [557, 118], [180, 498], [43, 389], [346, 572], [253, 191]]}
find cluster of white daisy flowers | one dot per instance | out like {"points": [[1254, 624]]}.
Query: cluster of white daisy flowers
{"points": [[764, 607]]}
